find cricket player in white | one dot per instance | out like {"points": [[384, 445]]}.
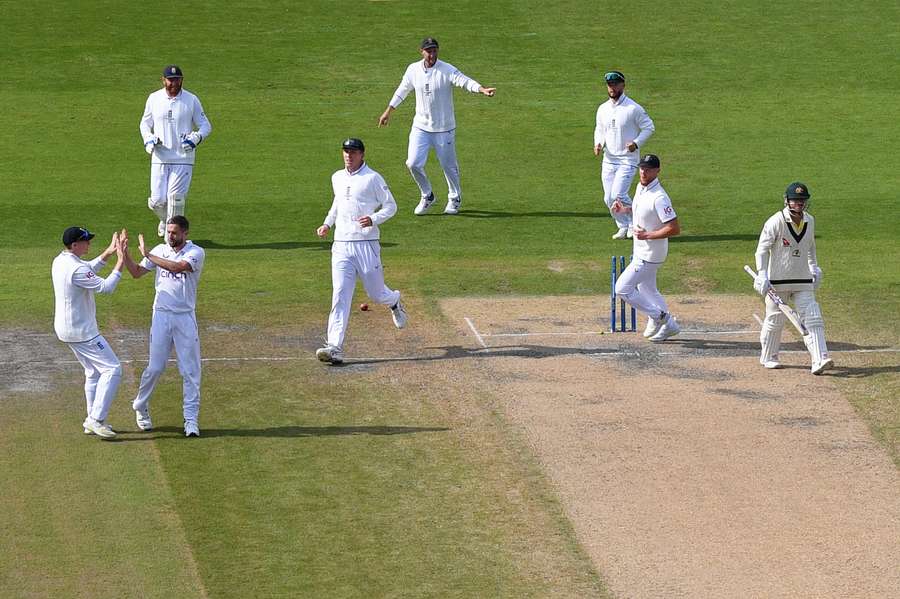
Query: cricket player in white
{"points": [[654, 222], [167, 128], [178, 265], [623, 127], [786, 260], [75, 281], [434, 125], [362, 202]]}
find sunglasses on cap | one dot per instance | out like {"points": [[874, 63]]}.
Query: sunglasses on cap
{"points": [[85, 235], [613, 77]]}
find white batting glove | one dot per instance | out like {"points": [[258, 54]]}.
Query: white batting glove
{"points": [[761, 282], [150, 144], [816, 273], [190, 141]]}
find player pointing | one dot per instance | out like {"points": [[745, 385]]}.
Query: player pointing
{"points": [[434, 125], [167, 128], [786, 260], [362, 201]]}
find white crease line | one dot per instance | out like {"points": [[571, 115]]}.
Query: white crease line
{"points": [[474, 330], [576, 333]]}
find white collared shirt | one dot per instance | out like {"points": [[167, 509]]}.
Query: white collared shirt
{"points": [[619, 123], [358, 194], [788, 253], [169, 119], [434, 94], [176, 292], [651, 209]]}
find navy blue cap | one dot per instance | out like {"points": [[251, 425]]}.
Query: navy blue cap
{"points": [[73, 234], [172, 71], [352, 143]]}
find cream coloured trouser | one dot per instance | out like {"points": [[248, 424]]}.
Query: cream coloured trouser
{"points": [[178, 329], [351, 259], [102, 374], [637, 286], [811, 316], [167, 180], [616, 179], [444, 144]]}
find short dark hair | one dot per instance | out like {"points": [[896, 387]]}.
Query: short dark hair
{"points": [[179, 220]]}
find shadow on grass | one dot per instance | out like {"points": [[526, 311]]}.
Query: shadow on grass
{"points": [[695, 238], [543, 214], [279, 432], [322, 246]]}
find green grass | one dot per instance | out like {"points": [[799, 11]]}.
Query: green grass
{"points": [[746, 98]]}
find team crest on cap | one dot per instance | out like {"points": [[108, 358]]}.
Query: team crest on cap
{"points": [[172, 71], [798, 189]]}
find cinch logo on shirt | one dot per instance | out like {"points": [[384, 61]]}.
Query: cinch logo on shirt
{"points": [[172, 275]]}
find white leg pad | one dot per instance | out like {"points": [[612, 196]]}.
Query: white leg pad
{"points": [[158, 206], [175, 206], [770, 335]]}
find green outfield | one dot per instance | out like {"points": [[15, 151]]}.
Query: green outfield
{"points": [[319, 482]]}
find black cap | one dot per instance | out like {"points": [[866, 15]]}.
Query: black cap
{"points": [[352, 143], [428, 42], [73, 234], [649, 161], [172, 71], [614, 77], [796, 191]]}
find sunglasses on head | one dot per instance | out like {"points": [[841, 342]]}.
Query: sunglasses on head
{"points": [[613, 77]]}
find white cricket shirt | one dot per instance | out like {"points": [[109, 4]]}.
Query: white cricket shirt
{"points": [[619, 123], [788, 253], [170, 118], [74, 283], [434, 94], [358, 194], [176, 292], [651, 209]]}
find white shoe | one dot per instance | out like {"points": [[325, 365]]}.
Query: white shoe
{"points": [[772, 364], [88, 431], [820, 367], [104, 431], [630, 233], [453, 206], [142, 417], [330, 354], [161, 229], [398, 313], [424, 205], [191, 429], [621, 233], [669, 328], [653, 327]]}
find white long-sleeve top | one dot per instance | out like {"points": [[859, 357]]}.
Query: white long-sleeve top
{"points": [[75, 281], [619, 123], [434, 94], [651, 208], [357, 194], [176, 291], [168, 119], [788, 252]]}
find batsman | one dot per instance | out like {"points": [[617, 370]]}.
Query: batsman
{"points": [[786, 261]]}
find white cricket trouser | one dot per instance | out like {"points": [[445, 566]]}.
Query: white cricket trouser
{"points": [[637, 286], [167, 180], [351, 259], [102, 374], [180, 329], [444, 144], [810, 314], [616, 179]]}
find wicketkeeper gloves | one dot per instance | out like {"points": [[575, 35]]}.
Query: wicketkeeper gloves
{"points": [[189, 141]]}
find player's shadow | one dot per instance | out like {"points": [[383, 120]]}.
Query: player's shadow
{"points": [[287, 432], [713, 238], [322, 246], [537, 214], [457, 352]]}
